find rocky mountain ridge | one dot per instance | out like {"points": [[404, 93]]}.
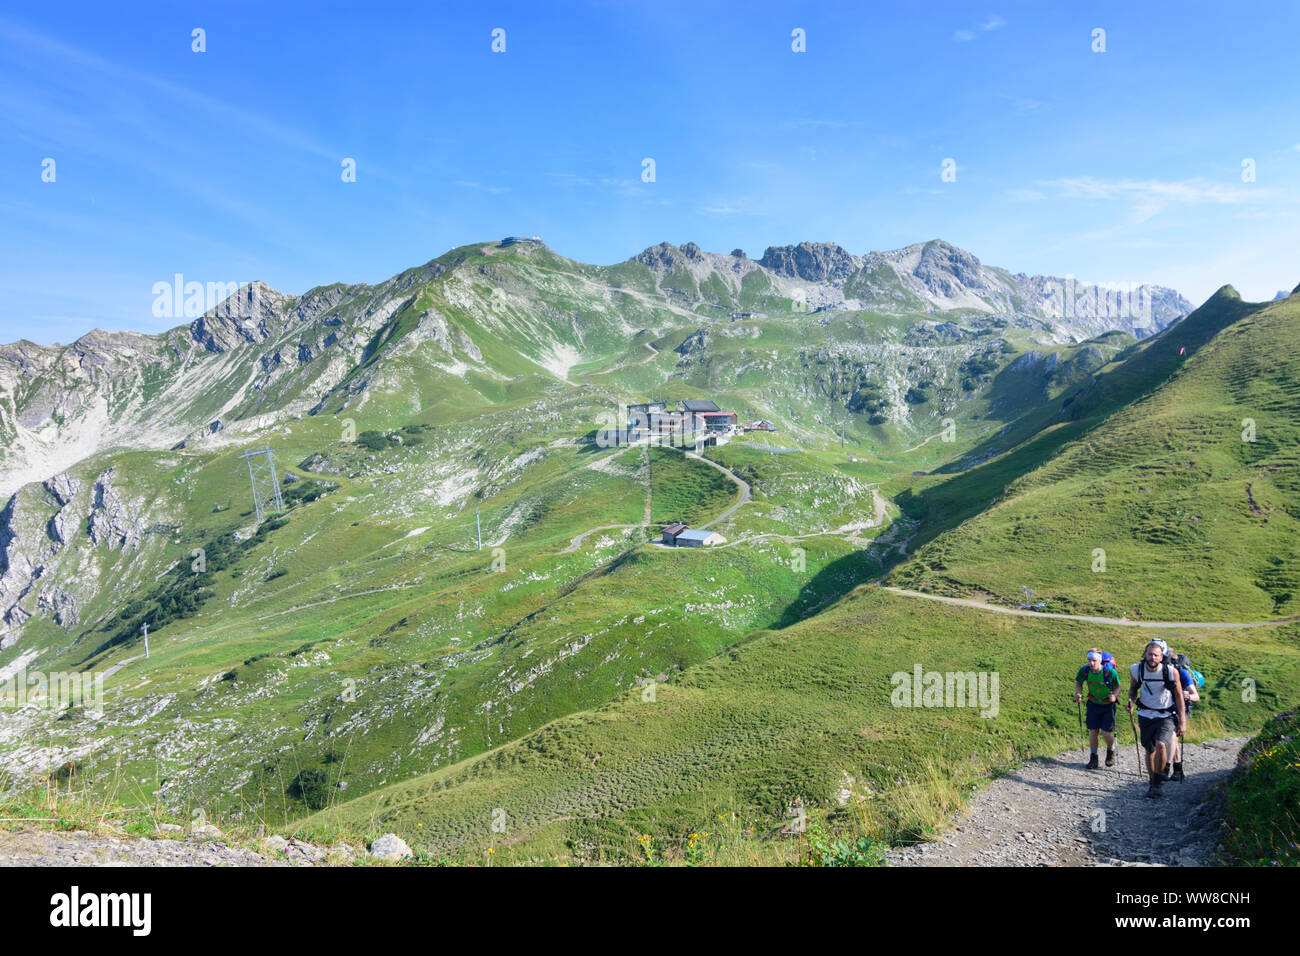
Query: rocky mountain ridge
{"points": [[262, 357]]}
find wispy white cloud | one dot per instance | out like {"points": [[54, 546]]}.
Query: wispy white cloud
{"points": [[102, 70], [992, 22], [1158, 191], [1142, 200], [470, 184], [1020, 194], [623, 187]]}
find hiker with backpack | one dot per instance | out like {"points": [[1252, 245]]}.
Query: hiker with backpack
{"points": [[1174, 770], [1103, 692], [1157, 690]]}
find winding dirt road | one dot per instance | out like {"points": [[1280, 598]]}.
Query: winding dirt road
{"points": [[1117, 621]]}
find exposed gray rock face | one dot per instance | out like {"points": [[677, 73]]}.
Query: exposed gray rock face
{"points": [[662, 258], [62, 488], [811, 262], [945, 270], [59, 603], [58, 529], [252, 315], [109, 522], [24, 552], [62, 540], [666, 258], [695, 342], [15, 567]]}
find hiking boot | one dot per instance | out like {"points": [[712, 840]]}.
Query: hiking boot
{"points": [[1178, 773], [1110, 757], [1153, 788], [1092, 762], [1169, 771]]}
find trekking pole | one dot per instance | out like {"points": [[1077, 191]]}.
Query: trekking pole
{"points": [[1082, 735], [1137, 751]]}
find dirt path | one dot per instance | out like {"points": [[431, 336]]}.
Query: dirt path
{"points": [[1117, 621], [80, 848], [744, 487], [1052, 812], [577, 541]]}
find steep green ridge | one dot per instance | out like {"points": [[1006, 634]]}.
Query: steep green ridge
{"points": [[1195, 521]]}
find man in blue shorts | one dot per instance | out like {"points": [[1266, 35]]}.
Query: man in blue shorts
{"points": [[1103, 692]]}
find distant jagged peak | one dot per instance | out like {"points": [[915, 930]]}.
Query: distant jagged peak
{"points": [[928, 260], [252, 313], [665, 258], [811, 261]]}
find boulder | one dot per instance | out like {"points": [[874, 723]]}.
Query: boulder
{"points": [[390, 847]]}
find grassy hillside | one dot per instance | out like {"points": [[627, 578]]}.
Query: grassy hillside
{"points": [[361, 662], [1191, 494], [1262, 808], [804, 713]]}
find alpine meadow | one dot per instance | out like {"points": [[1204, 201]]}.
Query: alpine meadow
{"points": [[849, 550]]}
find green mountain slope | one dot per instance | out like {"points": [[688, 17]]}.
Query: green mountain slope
{"points": [[362, 639], [805, 713], [1189, 493], [801, 714]]}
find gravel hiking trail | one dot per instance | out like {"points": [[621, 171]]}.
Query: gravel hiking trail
{"points": [[1115, 621], [40, 847], [1053, 812]]}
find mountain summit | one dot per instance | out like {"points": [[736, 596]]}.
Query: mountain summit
{"points": [[489, 313]]}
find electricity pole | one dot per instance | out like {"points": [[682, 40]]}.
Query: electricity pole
{"points": [[145, 627], [478, 526], [265, 482]]}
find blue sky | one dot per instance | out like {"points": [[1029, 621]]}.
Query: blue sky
{"points": [[225, 165]]}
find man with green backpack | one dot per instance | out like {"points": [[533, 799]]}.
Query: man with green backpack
{"points": [[1102, 681]]}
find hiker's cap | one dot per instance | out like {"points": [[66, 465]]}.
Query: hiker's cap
{"points": [[1094, 656], [1159, 643]]}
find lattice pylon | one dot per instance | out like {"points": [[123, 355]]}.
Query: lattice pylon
{"points": [[264, 481]]}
